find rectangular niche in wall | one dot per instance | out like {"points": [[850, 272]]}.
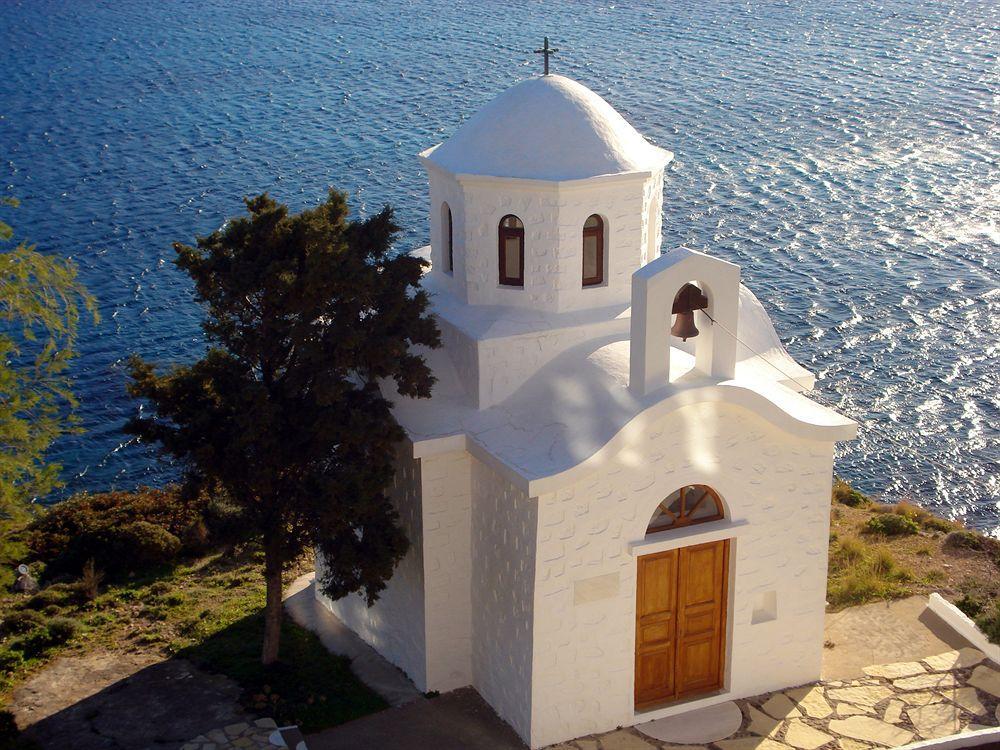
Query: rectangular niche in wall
{"points": [[765, 607]]}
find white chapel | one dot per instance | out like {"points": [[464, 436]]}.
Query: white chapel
{"points": [[618, 495]]}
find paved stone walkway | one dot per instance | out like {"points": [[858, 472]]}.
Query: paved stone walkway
{"points": [[892, 705], [240, 736]]}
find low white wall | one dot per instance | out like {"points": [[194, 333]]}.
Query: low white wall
{"points": [[776, 484], [957, 620], [982, 738]]}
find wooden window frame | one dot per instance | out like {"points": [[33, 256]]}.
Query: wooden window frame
{"points": [[683, 519], [597, 232], [504, 233]]}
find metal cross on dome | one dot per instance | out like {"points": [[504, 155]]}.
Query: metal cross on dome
{"points": [[547, 51]]}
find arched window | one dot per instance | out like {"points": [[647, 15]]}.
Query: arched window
{"points": [[689, 505], [511, 251], [449, 237], [593, 250]]}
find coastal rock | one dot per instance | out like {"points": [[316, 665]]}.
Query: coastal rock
{"points": [[25, 584]]}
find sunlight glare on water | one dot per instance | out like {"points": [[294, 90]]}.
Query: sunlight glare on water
{"points": [[845, 155]]}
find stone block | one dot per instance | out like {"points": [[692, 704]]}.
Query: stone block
{"points": [[872, 730]]}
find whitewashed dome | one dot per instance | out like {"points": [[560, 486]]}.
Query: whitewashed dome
{"points": [[547, 128]]}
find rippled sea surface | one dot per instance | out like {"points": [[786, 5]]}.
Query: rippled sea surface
{"points": [[844, 156]]}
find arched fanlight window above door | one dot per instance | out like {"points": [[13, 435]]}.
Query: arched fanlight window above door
{"points": [[447, 229], [593, 251], [511, 236], [694, 503]]}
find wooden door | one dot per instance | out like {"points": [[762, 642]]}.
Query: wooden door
{"points": [[680, 622]]}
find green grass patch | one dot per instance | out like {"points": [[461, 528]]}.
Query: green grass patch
{"points": [[860, 573], [309, 686]]}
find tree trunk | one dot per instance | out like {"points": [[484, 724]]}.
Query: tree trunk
{"points": [[273, 609]]}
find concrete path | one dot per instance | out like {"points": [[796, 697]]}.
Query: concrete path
{"points": [[370, 667], [459, 720], [883, 632]]}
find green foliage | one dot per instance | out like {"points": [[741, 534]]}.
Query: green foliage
{"points": [[122, 532], [890, 524], [845, 494], [972, 606], [308, 315], [41, 303], [989, 621], [22, 621]]}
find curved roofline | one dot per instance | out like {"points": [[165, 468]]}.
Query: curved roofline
{"points": [[793, 417], [467, 178]]}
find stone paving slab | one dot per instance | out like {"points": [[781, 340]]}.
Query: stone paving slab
{"points": [[894, 704], [242, 735]]}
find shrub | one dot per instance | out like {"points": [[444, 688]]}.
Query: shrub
{"points": [[21, 621], [10, 660], [933, 523], [62, 629], [845, 494], [963, 539], [57, 595], [972, 606], [989, 622], [890, 524], [864, 574], [120, 531]]}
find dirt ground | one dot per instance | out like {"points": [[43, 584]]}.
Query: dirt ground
{"points": [[109, 700]]}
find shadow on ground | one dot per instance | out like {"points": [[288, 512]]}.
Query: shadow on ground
{"points": [[114, 701], [459, 720]]}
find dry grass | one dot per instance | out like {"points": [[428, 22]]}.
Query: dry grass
{"points": [[866, 566]]}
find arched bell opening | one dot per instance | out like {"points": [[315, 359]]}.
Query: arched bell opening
{"points": [[689, 318]]}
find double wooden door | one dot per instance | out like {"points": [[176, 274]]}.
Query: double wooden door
{"points": [[680, 623]]}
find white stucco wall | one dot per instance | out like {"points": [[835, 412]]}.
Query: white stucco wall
{"points": [[447, 518], [553, 215], [394, 626], [778, 486], [504, 524]]}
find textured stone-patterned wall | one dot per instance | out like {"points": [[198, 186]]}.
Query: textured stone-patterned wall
{"points": [[583, 659], [394, 626], [445, 189], [447, 501], [553, 221], [503, 576]]}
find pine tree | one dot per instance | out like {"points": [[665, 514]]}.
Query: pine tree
{"points": [[307, 315]]}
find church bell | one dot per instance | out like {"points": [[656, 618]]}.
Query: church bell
{"points": [[688, 299]]}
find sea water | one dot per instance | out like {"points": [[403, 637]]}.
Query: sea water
{"points": [[844, 154]]}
